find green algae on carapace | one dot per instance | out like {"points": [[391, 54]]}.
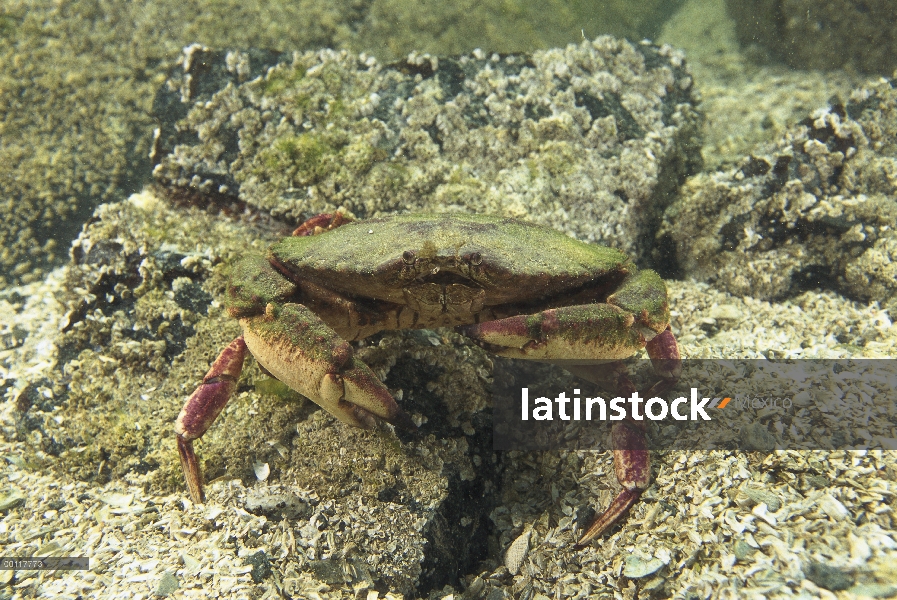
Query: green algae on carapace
{"points": [[509, 259]]}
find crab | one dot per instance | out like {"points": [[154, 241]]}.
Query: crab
{"points": [[518, 289]]}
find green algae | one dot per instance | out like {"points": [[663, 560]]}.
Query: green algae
{"points": [[644, 294], [307, 157], [300, 156], [279, 80]]}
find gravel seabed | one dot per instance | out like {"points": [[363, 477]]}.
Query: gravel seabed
{"points": [[138, 540]]}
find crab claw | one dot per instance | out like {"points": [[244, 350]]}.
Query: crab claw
{"points": [[204, 406], [299, 349]]}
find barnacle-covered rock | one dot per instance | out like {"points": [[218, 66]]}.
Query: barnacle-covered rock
{"points": [[816, 209], [592, 138]]}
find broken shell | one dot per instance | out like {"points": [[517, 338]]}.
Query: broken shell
{"points": [[517, 551], [262, 470], [833, 507], [637, 567]]}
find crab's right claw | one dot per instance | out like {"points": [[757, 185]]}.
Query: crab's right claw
{"points": [[204, 406], [299, 349], [364, 393]]}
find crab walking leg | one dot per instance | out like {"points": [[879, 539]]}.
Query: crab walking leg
{"points": [[632, 460], [632, 466], [573, 337], [204, 406], [663, 351], [299, 349]]}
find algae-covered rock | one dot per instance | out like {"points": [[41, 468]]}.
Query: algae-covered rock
{"points": [[591, 138], [817, 209], [78, 78], [821, 35]]}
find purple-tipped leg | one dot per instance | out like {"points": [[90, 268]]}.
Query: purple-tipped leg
{"points": [[632, 461], [204, 406], [632, 466]]}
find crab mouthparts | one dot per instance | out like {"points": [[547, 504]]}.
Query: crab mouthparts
{"points": [[451, 293], [438, 276]]}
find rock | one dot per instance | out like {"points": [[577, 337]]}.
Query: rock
{"points": [[821, 35], [816, 209], [828, 577], [277, 504], [84, 132], [261, 566], [168, 584], [601, 132]]}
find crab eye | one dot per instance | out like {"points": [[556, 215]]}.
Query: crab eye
{"points": [[476, 258], [408, 257]]}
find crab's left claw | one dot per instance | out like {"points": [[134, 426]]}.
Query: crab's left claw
{"points": [[298, 348]]}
